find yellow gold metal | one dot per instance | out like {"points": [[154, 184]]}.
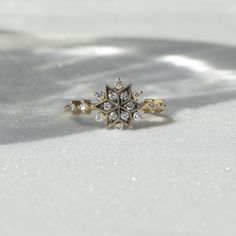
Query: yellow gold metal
{"points": [[148, 106], [118, 106], [79, 107], [153, 106]]}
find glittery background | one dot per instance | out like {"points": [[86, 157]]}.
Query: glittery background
{"points": [[172, 174]]}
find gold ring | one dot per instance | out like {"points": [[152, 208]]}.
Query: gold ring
{"points": [[118, 106]]}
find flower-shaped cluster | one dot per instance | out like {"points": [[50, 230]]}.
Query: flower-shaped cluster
{"points": [[118, 105]]}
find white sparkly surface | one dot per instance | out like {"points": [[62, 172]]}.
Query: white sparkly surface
{"points": [[171, 175]]}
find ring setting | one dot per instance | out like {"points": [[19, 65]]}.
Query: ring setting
{"points": [[118, 106]]}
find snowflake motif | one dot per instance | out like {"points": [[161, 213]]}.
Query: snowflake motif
{"points": [[118, 105]]}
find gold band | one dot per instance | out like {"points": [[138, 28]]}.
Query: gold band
{"points": [[118, 106], [78, 107]]}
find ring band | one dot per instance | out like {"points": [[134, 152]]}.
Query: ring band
{"points": [[118, 106]]}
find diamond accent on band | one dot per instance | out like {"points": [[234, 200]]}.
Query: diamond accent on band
{"points": [[154, 105], [78, 107], [84, 107]]}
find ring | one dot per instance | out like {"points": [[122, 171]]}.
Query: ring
{"points": [[118, 106]]}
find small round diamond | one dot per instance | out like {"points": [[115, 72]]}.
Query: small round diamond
{"points": [[107, 106], [118, 85], [100, 95], [113, 115], [130, 106], [113, 95], [83, 107], [137, 116], [100, 117], [124, 96], [137, 94], [124, 115]]}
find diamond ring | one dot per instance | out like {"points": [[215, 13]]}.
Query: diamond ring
{"points": [[118, 106]]}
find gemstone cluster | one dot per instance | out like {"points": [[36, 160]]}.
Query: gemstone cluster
{"points": [[118, 106]]}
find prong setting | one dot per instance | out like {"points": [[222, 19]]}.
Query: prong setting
{"points": [[119, 105]]}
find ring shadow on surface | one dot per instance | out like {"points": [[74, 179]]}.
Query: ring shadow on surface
{"points": [[38, 78]]}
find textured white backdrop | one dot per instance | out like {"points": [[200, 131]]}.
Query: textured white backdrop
{"points": [[171, 175]]}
